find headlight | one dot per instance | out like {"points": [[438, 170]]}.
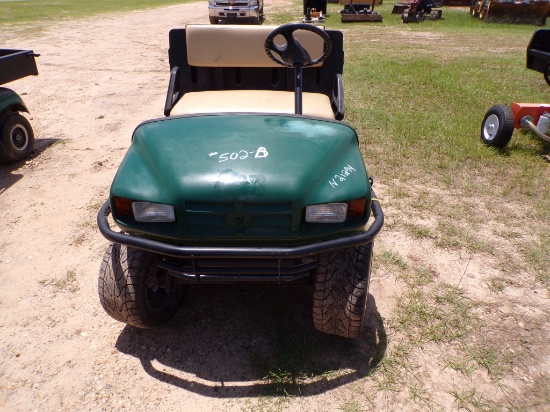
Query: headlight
{"points": [[327, 213], [153, 212], [253, 2]]}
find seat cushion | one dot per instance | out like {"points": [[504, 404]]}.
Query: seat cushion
{"points": [[252, 101]]}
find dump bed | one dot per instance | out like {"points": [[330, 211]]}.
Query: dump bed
{"points": [[16, 64]]}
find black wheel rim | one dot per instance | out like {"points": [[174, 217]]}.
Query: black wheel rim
{"points": [[19, 137], [159, 299]]}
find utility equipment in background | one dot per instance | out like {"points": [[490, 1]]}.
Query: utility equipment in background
{"points": [[500, 121]]}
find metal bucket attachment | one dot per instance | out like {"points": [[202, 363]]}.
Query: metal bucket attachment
{"points": [[517, 13]]}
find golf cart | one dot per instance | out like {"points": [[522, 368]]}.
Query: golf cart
{"points": [[500, 121], [251, 177], [16, 134]]}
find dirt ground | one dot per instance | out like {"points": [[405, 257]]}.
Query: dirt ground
{"points": [[59, 350]]}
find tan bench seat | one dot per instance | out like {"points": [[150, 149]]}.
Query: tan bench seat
{"points": [[225, 69], [252, 101]]}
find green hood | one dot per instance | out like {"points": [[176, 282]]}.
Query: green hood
{"points": [[264, 159], [242, 157]]}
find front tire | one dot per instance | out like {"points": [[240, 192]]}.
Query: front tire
{"points": [[213, 20], [133, 290], [547, 73], [16, 138], [340, 291], [497, 126]]}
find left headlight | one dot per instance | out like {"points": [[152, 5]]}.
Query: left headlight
{"points": [[148, 212], [153, 212]]}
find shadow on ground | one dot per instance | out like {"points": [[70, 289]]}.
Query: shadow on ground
{"points": [[225, 343], [8, 175]]}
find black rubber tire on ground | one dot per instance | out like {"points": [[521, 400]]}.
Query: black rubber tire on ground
{"points": [[340, 291], [546, 73], [484, 13], [213, 20], [130, 288], [497, 126], [473, 8], [16, 138]]}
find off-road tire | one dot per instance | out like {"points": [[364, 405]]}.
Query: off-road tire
{"points": [[484, 13], [340, 291], [474, 11], [546, 73], [213, 20], [129, 291], [16, 138], [497, 126]]}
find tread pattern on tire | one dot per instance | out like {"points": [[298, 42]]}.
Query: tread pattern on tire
{"points": [[122, 287], [503, 136], [340, 292], [8, 153]]}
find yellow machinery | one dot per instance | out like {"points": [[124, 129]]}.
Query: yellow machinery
{"points": [[504, 11]]}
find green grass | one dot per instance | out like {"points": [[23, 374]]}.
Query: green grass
{"points": [[24, 11], [68, 283]]}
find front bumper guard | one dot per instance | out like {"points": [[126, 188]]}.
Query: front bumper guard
{"points": [[279, 273]]}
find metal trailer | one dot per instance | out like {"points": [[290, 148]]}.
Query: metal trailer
{"points": [[500, 121], [353, 12]]}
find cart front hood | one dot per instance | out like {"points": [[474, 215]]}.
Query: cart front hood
{"points": [[231, 158]]}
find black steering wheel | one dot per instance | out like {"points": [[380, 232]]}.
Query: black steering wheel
{"points": [[293, 53]]}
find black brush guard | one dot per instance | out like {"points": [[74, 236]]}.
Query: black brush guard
{"points": [[214, 264]]}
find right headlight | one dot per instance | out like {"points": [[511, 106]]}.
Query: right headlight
{"points": [[336, 212], [327, 213]]}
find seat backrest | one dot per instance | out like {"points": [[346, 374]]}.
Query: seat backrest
{"points": [[231, 57], [238, 46]]}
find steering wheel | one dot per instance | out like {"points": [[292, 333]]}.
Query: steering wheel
{"points": [[293, 53]]}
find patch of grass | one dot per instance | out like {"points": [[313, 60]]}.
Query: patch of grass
{"points": [[496, 284], [68, 283], [295, 359], [440, 313], [394, 259], [393, 370], [419, 231], [537, 255], [470, 400], [79, 240], [16, 11], [488, 357], [351, 405], [460, 364]]}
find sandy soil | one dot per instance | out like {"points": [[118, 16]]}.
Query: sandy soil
{"points": [[60, 351]]}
